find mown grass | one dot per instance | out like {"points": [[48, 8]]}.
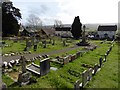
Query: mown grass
{"points": [[20, 45], [66, 75], [108, 76]]}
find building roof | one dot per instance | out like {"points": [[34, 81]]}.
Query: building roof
{"points": [[107, 27], [63, 28], [49, 31]]}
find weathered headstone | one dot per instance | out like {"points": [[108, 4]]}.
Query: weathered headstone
{"points": [[100, 62], [53, 42], [44, 66], [73, 57], [84, 78], [50, 40], [95, 68], [90, 74], [44, 43], [3, 86], [35, 47], [77, 85], [107, 52], [23, 64], [105, 57], [64, 43], [66, 60], [77, 54], [24, 77]]}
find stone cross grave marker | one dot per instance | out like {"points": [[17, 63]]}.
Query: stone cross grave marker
{"points": [[24, 77], [44, 66], [23, 64]]}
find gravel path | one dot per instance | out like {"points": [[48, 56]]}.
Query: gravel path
{"points": [[29, 56]]}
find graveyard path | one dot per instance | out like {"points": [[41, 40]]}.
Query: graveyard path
{"points": [[30, 56]]}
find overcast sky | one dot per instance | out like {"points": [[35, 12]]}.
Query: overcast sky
{"points": [[89, 11]]}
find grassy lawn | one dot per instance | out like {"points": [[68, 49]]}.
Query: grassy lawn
{"points": [[66, 75], [20, 45], [108, 76]]}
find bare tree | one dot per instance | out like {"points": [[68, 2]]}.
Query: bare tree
{"points": [[57, 23], [34, 21]]}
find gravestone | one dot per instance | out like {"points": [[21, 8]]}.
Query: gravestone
{"points": [[100, 62], [24, 77], [28, 45], [44, 43], [23, 63], [95, 68], [44, 66], [105, 57], [53, 42], [84, 41], [35, 47], [66, 60], [69, 57], [50, 40], [90, 74], [73, 57], [110, 48], [3, 86], [77, 85], [84, 78], [107, 52], [64, 43], [32, 39], [77, 54]]}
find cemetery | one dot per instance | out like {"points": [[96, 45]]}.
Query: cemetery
{"points": [[65, 56], [72, 66]]}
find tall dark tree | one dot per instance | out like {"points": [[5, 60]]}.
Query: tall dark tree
{"points": [[76, 28], [10, 17]]}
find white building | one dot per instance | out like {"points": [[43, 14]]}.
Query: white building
{"points": [[107, 31]]}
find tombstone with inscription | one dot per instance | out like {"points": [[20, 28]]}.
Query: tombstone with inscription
{"points": [[44, 66], [24, 77]]}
